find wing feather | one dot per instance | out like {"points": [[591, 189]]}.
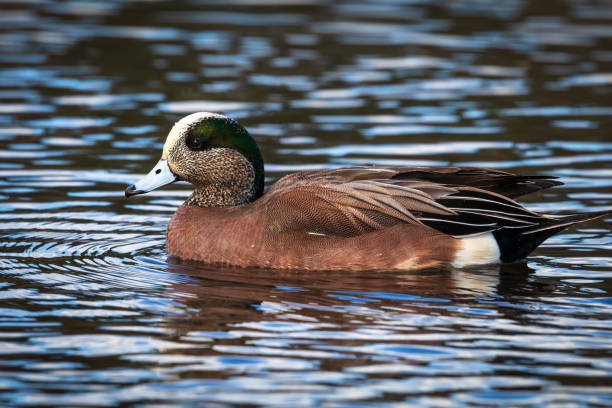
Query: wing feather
{"points": [[356, 200]]}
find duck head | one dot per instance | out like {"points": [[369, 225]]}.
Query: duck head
{"points": [[215, 154]]}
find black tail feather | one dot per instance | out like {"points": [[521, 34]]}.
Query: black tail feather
{"points": [[517, 243]]}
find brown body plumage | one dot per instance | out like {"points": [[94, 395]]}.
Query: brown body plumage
{"points": [[242, 239]]}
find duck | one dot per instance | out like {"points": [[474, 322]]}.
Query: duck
{"points": [[349, 218]]}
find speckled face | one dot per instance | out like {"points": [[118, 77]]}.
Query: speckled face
{"points": [[217, 156]]}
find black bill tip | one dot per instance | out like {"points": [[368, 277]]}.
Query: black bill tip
{"points": [[132, 190]]}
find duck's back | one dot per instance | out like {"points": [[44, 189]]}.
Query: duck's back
{"points": [[371, 218]]}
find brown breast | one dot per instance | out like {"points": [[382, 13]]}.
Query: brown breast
{"points": [[239, 236]]}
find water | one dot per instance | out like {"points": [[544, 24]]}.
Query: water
{"points": [[92, 313]]}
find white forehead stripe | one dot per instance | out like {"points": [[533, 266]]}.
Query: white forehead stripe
{"points": [[182, 126]]}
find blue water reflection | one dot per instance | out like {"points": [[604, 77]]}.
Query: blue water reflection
{"points": [[93, 313]]}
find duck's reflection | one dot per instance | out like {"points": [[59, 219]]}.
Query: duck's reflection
{"points": [[217, 297]]}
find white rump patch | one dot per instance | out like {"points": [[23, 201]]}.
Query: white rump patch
{"points": [[182, 126], [477, 250]]}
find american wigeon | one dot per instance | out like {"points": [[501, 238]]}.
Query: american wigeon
{"points": [[351, 218]]}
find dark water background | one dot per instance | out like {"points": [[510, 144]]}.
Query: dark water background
{"points": [[91, 311]]}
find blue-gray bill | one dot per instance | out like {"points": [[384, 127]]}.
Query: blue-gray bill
{"points": [[158, 177]]}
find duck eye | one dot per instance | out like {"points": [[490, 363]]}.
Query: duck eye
{"points": [[194, 142]]}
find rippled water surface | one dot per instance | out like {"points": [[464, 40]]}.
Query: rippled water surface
{"points": [[93, 313]]}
